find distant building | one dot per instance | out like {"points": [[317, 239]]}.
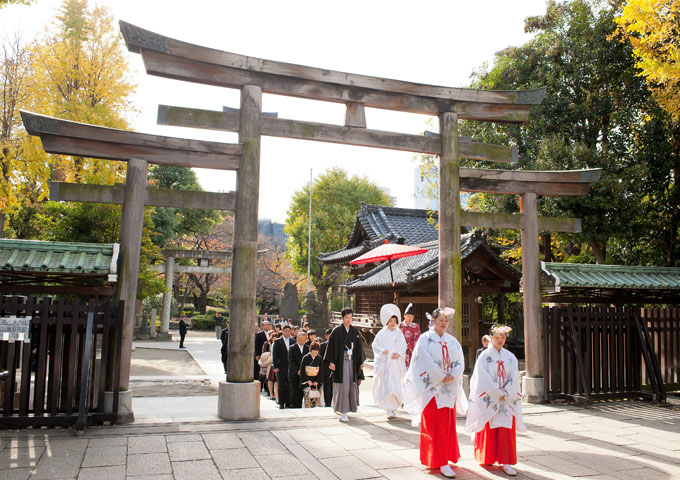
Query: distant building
{"points": [[421, 200], [392, 198], [273, 231]]}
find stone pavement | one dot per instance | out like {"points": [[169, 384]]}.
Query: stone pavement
{"points": [[181, 437], [611, 441]]}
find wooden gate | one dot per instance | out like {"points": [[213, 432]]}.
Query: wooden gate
{"points": [[597, 353], [59, 372]]}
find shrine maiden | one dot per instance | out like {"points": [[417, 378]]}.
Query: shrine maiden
{"points": [[389, 350], [411, 331], [433, 393], [495, 412]]}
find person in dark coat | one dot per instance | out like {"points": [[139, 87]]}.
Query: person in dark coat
{"points": [[224, 338], [327, 380], [182, 331], [311, 376], [261, 337], [280, 365], [295, 354], [345, 357]]}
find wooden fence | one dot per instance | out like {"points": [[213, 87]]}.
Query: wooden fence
{"points": [[61, 373], [601, 353], [664, 330]]}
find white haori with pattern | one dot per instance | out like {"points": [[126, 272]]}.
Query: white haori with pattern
{"points": [[496, 375], [388, 374], [433, 358]]}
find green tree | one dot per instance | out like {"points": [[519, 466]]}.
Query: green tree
{"points": [[335, 201], [596, 113]]}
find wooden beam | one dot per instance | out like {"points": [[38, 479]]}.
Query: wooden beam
{"points": [[167, 57], [57, 289], [355, 115], [450, 282], [244, 264], [72, 138], [154, 197], [161, 268], [531, 284], [518, 182], [131, 225], [199, 254], [323, 132], [516, 221]]}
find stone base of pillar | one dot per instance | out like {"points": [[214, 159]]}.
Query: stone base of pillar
{"points": [[533, 389], [239, 401], [164, 337], [125, 413]]}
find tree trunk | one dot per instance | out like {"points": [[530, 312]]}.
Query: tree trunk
{"points": [[322, 292], [599, 251], [201, 302]]}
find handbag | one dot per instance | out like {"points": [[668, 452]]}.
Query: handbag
{"points": [[314, 393]]}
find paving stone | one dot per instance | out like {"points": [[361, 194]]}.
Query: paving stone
{"points": [[64, 446], [102, 473], [16, 473], [233, 458], [326, 452], [355, 473], [202, 469], [244, 474], [566, 467], [264, 445], [405, 473], [13, 457], [282, 465], [303, 434], [221, 441], [147, 444], [180, 452], [338, 462], [191, 437], [111, 441], [65, 465], [378, 459], [352, 442], [105, 456], [314, 465], [148, 464]]}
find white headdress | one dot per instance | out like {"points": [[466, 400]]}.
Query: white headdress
{"points": [[388, 311], [409, 309]]}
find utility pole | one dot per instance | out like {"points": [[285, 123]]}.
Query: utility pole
{"points": [[309, 237]]}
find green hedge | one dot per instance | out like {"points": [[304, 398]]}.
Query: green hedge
{"points": [[203, 322]]}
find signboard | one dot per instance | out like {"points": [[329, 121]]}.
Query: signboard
{"points": [[15, 328]]}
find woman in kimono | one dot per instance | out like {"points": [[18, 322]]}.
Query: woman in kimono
{"points": [[495, 412], [433, 393], [310, 377], [389, 349]]}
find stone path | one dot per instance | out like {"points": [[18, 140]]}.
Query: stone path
{"points": [[611, 441]]}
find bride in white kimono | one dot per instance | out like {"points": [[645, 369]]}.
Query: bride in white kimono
{"points": [[495, 410], [389, 349]]}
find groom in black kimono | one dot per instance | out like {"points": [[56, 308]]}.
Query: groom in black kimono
{"points": [[345, 357]]}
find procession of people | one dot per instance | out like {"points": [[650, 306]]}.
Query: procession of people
{"points": [[419, 372]]}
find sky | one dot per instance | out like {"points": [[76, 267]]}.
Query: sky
{"points": [[431, 42]]}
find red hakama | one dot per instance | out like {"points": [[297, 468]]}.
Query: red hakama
{"points": [[496, 445], [438, 439]]}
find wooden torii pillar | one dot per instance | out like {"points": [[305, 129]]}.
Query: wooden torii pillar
{"points": [[138, 150], [172, 58]]}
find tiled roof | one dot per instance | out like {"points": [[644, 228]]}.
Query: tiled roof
{"points": [[375, 223], [573, 275], [415, 269], [59, 258]]}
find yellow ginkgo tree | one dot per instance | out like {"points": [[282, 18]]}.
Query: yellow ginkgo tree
{"points": [[653, 29]]}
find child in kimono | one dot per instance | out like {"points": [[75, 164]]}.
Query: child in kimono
{"points": [[433, 393], [495, 412]]}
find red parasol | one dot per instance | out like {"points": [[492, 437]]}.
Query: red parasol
{"points": [[388, 251]]}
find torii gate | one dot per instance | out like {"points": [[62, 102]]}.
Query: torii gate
{"points": [[171, 58], [138, 150]]}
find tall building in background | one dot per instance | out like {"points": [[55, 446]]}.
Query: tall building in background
{"points": [[273, 231], [420, 198], [388, 192]]}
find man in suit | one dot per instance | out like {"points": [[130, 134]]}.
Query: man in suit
{"points": [[295, 354], [261, 337], [280, 365], [326, 372]]}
